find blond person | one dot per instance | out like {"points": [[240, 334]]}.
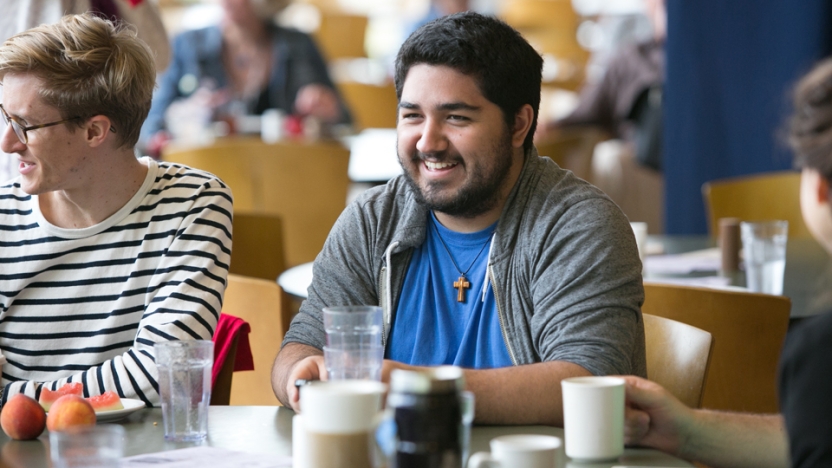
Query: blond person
{"points": [[102, 255]]}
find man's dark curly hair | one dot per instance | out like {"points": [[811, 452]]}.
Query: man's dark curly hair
{"points": [[507, 69]]}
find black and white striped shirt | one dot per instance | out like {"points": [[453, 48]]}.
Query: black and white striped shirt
{"points": [[87, 305]]}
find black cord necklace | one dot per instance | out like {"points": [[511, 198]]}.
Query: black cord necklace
{"points": [[462, 283]]}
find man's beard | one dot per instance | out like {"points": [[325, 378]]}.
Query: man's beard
{"points": [[481, 191]]}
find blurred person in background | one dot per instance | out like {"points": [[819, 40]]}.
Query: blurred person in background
{"points": [[438, 9], [244, 66], [102, 254], [20, 15], [626, 101]]}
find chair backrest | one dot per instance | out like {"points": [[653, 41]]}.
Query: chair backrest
{"points": [[572, 149], [677, 357], [258, 246], [303, 183], [341, 35], [372, 106], [216, 160], [260, 303], [748, 330], [221, 391], [774, 195], [307, 186], [551, 27]]}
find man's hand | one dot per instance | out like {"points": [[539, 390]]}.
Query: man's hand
{"points": [[318, 101], [309, 368], [654, 417], [295, 361]]}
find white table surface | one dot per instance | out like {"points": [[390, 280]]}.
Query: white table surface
{"points": [[296, 280], [373, 155]]}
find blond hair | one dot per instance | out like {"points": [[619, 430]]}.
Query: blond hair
{"points": [[88, 67]]}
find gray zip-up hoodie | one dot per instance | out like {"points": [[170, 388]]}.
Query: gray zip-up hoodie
{"points": [[564, 268]]}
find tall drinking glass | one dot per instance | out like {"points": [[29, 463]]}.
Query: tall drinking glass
{"points": [[185, 387], [99, 446], [764, 244], [353, 342]]}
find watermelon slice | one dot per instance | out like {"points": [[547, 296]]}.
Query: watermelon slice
{"points": [[47, 397], [107, 401]]}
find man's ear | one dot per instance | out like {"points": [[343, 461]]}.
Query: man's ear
{"points": [[522, 125], [97, 130]]}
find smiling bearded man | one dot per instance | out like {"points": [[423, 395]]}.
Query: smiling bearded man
{"points": [[483, 254], [479, 195]]}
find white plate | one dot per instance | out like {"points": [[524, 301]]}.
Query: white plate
{"points": [[130, 406]]}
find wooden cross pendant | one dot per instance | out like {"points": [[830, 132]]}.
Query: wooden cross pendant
{"points": [[461, 285]]}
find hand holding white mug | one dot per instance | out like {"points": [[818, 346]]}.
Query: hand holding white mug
{"points": [[593, 417], [337, 429]]}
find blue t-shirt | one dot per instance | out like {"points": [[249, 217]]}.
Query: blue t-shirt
{"points": [[431, 327]]}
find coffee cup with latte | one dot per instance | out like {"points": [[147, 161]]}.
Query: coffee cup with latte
{"points": [[337, 425]]}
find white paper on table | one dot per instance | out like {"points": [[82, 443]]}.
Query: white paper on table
{"points": [[686, 263], [205, 457]]}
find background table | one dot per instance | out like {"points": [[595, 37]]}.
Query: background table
{"points": [[296, 280], [268, 430], [806, 280]]}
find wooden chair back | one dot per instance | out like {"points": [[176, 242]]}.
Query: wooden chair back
{"points": [[221, 391], [307, 186], [572, 149], [341, 35], [372, 106], [216, 160], [774, 195], [748, 330], [303, 183], [260, 303], [258, 246], [677, 357], [551, 27]]}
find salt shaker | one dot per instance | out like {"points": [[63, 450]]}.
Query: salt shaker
{"points": [[729, 244]]}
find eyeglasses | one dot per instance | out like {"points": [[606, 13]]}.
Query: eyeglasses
{"points": [[20, 129]]}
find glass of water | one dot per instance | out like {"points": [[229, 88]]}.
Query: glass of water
{"points": [[185, 387], [353, 342], [764, 246], [99, 446]]}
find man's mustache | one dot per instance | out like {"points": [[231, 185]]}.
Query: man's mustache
{"points": [[440, 157]]}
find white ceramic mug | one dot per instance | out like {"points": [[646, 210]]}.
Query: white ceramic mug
{"points": [[520, 451], [593, 417], [336, 424]]}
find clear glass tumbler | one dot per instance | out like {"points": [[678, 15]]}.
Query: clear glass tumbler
{"points": [[353, 342], [764, 246], [100, 446], [185, 387]]}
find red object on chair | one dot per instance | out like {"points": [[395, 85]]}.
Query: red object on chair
{"points": [[230, 327]]}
